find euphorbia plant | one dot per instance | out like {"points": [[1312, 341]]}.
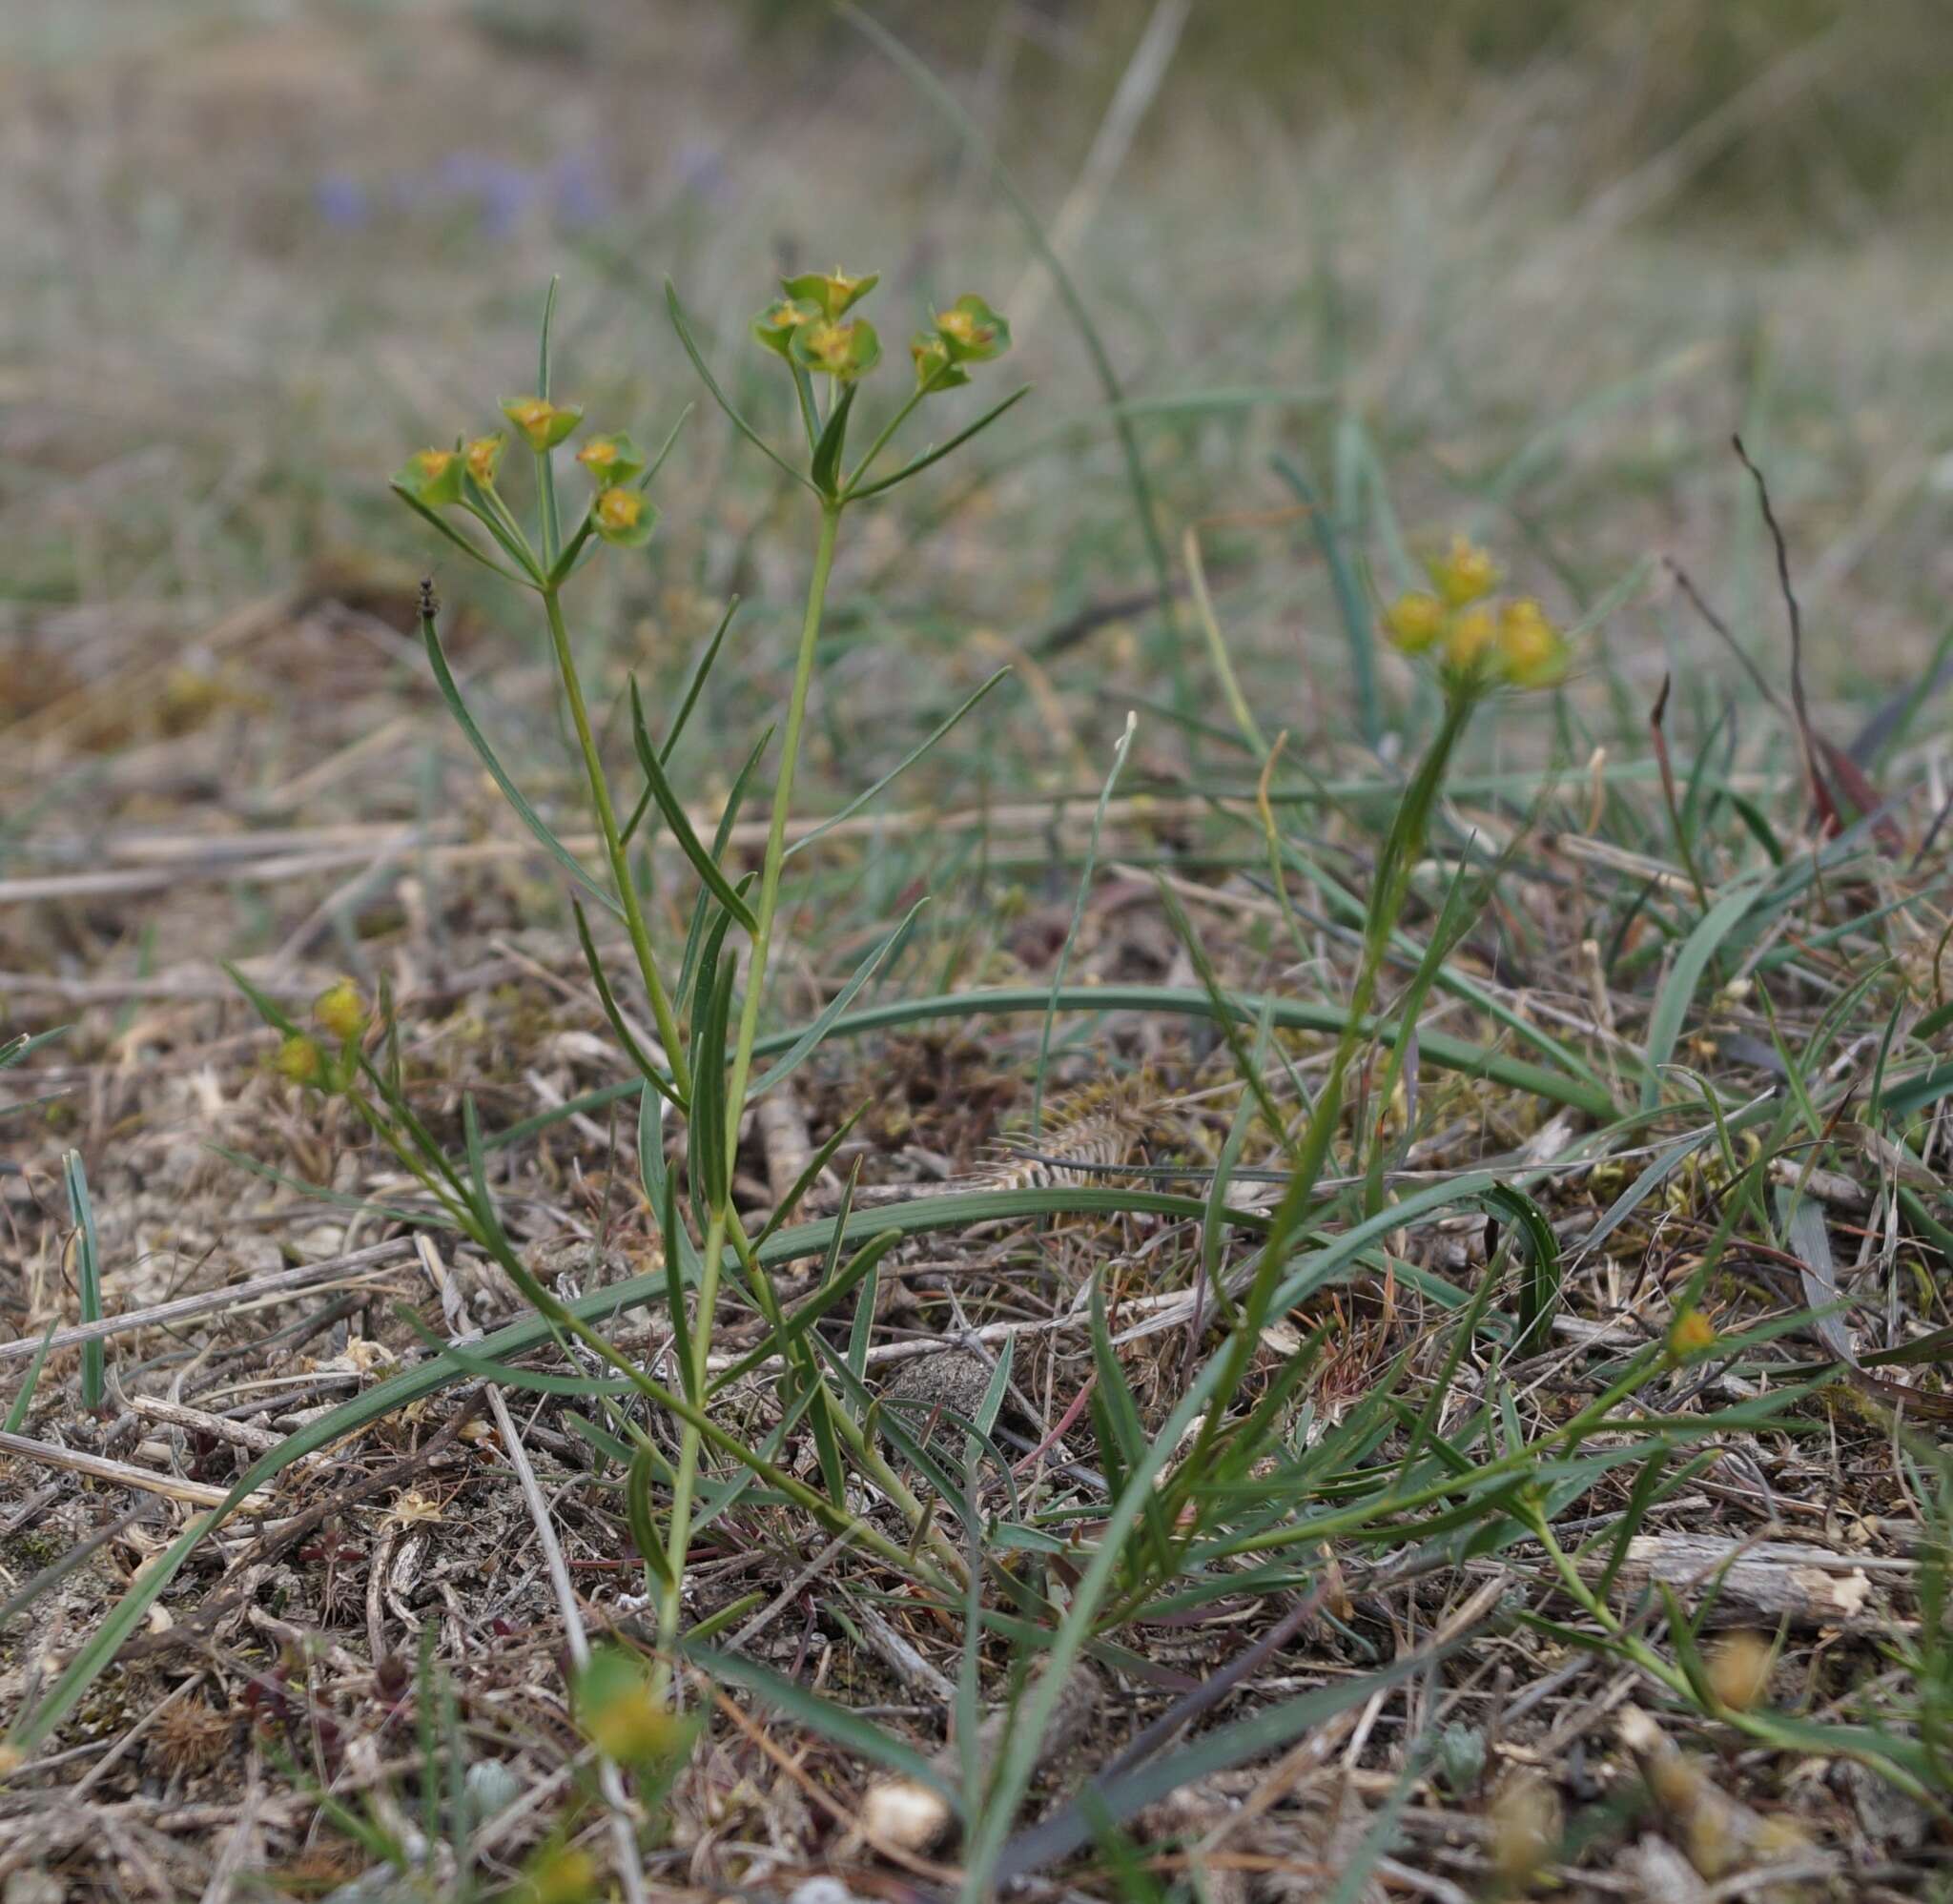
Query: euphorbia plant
{"points": [[703, 1067], [1477, 653]]}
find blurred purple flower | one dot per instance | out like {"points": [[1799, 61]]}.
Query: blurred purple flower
{"points": [[340, 200], [578, 190], [702, 172], [502, 191], [574, 189]]}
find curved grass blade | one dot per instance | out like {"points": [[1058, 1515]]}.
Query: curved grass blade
{"points": [[835, 1723], [1446, 1053], [16, 1416], [520, 1338], [1357, 626], [918, 465], [652, 1075], [807, 1041], [901, 767], [450, 692], [1539, 1291], [1679, 990], [682, 327], [695, 686], [672, 809], [461, 541]]}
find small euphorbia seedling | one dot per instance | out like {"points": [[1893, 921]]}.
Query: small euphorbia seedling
{"points": [[1476, 648]]}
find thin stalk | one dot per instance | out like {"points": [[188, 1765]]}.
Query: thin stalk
{"points": [[888, 429], [1392, 883], [1674, 1681], [720, 1218], [614, 848]]}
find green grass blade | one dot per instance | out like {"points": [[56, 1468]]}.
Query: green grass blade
{"points": [[1078, 919], [918, 465], [668, 804], [810, 1040], [682, 327], [450, 692], [901, 767], [89, 1276], [17, 1414], [1679, 990], [1358, 624], [947, 103]]}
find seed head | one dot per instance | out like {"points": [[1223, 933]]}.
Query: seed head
{"points": [[611, 458], [1524, 1827], [972, 332], [843, 352], [829, 292], [562, 1875], [432, 477], [621, 515], [625, 1719]]}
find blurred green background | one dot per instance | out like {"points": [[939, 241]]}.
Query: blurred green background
{"points": [[1537, 259]]}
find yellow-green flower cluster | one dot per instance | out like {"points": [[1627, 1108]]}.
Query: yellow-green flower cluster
{"points": [[619, 512], [808, 325], [968, 332], [623, 1714], [340, 1013], [1475, 639]]}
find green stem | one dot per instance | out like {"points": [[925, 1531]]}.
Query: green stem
{"points": [[888, 429], [614, 848], [764, 913], [776, 831], [1391, 886]]}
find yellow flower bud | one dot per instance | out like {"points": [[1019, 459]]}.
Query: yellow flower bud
{"points": [[1524, 1814], [600, 455], [1532, 653], [1467, 573], [431, 465], [483, 454], [342, 1010], [300, 1060], [1415, 621], [832, 347], [632, 1726], [1469, 638], [618, 510], [1738, 1668], [563, 1876], [544, 424], [1690, 1334], [532, 417]]}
